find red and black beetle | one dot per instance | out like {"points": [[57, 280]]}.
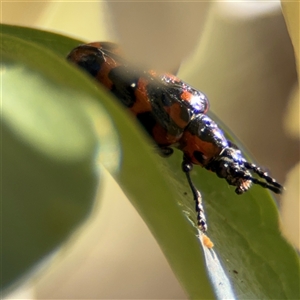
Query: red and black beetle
{"points": [[174, 114]]}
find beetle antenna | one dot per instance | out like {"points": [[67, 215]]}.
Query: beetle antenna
{"points": [[270, 183]]}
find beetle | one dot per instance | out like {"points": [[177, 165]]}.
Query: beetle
{"points": [[174, 115]]}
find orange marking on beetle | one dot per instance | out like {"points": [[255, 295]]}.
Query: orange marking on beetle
{"points": [[104, 71], [175, 111], [187, 96], [142, 103], [190, 143], [162, 137]]}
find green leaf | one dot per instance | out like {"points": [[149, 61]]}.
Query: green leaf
{"points": [[49, 142], [258, 261], [139, 166]]}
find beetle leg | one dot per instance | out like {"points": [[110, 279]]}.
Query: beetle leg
{"points": [[201, 220], [165, 151]]}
